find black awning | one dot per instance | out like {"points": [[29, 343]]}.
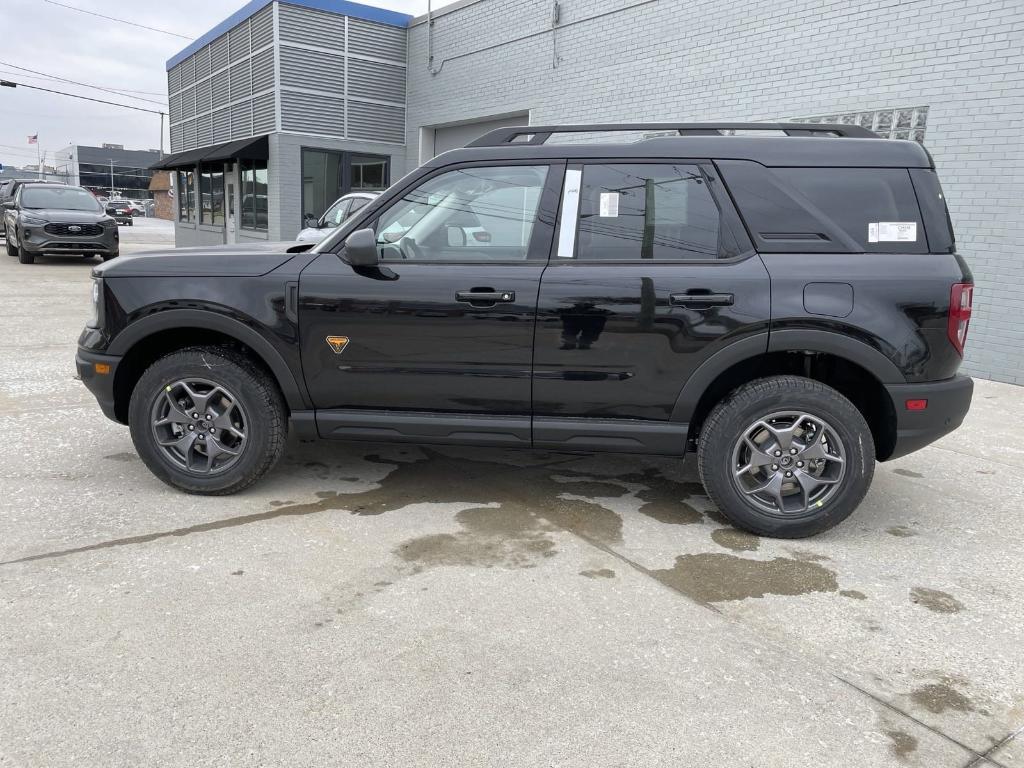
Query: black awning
{"points": [[257, 148]]}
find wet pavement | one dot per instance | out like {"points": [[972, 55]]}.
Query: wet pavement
{"points": [[374, 605]]}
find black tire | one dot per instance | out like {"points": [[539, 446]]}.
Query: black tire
{"points": [[130, 223], [109, 256], [24, 256], [265, 423], [736, 416], [11, 249]]}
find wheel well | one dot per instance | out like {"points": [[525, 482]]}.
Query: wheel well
{"points": [[148, 350], [855, 383]]}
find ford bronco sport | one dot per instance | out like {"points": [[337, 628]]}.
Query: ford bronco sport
{"points": [[789, 307]]}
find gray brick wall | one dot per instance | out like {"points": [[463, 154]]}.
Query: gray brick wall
{"points": [[616, 60]]}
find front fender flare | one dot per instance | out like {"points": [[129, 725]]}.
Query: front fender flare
{"points": [[293, 391]]}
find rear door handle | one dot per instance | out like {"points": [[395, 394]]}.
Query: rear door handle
{"points": [[701, 300], [485, 297]]}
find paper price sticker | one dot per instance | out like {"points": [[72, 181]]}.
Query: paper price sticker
{"points": [[892, 232], [609, 204]]}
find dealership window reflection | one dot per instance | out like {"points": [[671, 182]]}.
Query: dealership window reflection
{"points": [[211, 195], [254, 194]]}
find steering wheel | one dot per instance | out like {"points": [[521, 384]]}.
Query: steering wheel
{"points": [[409, 248]]}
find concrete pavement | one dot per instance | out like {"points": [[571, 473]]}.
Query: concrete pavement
{"points": [[383, 605]]}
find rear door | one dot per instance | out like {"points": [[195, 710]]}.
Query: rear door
{"points": [[652, 274], [438, 338]]}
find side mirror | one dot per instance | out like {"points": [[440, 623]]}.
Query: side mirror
{"points": [[361, 248], [8, 203], [308, 221]]}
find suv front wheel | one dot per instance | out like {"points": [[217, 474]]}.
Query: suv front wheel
{"points": [[786, 456], [207, 420]]}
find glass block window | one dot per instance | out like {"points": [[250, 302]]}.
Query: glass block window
{"points": [[899, 123]]}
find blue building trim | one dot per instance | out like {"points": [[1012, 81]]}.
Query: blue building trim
{"points": [[342, 7]]}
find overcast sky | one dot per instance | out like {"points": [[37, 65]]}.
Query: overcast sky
{"points": [[57, 41]]}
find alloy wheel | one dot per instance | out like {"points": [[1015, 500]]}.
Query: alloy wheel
{"points": [[199, 426]]}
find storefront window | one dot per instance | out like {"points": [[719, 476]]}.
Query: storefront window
{"points": [[186, 196], [254, 194], [211, 195], [327, 175]]}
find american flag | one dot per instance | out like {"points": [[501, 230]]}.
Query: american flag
{"points": [[33, 139]]}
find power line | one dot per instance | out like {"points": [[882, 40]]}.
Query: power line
{"points": [[114, 18], [11, 84], [84, 85]]}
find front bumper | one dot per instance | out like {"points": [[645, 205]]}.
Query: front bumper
{"points": [[90, 367], [948, 403], [35, 240]]}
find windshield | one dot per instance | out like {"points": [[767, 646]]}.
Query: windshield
{"points": [[61, 198]]}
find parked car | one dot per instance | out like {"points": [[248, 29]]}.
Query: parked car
{"points": [[51, 218], [138, 207], [121, 210], [790, 309], [9, 188], [317, 229]]}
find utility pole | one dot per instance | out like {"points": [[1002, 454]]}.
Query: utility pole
{"points": [[39, 160], [112, 195]]}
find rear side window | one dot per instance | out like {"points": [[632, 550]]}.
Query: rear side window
{"points": [[875, 207], [646, 211]]}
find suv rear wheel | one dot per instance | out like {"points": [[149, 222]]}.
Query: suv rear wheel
{"points": [[207, 420], [786, 456]]}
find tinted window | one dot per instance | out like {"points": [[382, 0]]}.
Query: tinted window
{"points": [[646, 212], [865, 203], [471, 214], [61, 198]]}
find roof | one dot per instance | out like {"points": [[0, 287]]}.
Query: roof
{"points": [[783, 151], [341, 7]]}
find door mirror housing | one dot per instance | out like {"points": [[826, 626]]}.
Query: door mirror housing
{"points": [[8, 203], [361, 248], [309, 221]]}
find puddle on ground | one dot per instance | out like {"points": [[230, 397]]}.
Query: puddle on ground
{"points": [[935, 600], [907, 473], [711, 577], [901, 531], [854, 594], [122, 457], [600, 573], [499, 498], [939, 696], [735, 539], [903, 744]]}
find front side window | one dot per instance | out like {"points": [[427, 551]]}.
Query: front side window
{"points": [[646, 211], [336, 214], [471, 214], [211, 195], [254, 194]]}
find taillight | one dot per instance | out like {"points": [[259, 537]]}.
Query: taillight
{"points": [[961, 299]]}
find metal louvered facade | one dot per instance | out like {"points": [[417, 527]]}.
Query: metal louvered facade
{"points": [[292, 68], [315, 76]]}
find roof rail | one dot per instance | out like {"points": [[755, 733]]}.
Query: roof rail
{"points": [[539, 134]]}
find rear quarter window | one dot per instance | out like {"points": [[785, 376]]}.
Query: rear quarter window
{"points": [[827, 210], [865, 203]]}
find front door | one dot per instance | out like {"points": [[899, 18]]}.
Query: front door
{"points": [[445, 323], [652, 275]]}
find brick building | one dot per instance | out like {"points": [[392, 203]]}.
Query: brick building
{"points": [[343, 76]]}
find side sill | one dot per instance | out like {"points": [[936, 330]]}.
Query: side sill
{"points": [[424, 427], [665, 438]]}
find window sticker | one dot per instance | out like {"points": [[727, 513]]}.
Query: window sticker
{"points": [[892, 232], [609, 205]]}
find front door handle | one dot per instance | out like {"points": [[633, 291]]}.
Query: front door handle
{"points": [[701, 300], [485, 296]]}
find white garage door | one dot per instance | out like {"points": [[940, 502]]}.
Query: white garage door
{"points": [[457, 136]]}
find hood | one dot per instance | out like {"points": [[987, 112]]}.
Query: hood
{"points": [[312, 235], [251, 260], [57, 216]]}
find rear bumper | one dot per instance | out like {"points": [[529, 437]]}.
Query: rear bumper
{"points": [[100, 384], [948, 403]]}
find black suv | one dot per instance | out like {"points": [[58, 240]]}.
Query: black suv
{"points": [[791, 308]]}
